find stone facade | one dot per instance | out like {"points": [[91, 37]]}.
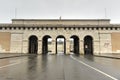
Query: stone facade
{"points": [[105, 36]]}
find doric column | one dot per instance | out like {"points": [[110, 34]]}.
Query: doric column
{"points": [[67, 46], [81, 47], [53, 47], [40, 47]]}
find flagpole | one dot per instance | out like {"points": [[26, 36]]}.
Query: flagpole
{"points": [[15, 13], [105, 13]]}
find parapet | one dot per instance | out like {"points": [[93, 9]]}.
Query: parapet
{"points": [[63, 21]]}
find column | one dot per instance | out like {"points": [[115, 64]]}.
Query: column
{"points": [[40, 47], [81, 47], [67, 46], [53, 47]]}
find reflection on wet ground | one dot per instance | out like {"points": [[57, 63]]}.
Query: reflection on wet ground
{"points": [[58, 67], [89, 57], [32, 68]]}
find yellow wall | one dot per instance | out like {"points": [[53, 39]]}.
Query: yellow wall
{"points": [[115, 41], [5, 40]]}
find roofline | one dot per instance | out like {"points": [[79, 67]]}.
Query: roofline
{"points": [[61, 19]]}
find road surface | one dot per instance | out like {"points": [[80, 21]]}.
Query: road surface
{"points": [[59, 67]]}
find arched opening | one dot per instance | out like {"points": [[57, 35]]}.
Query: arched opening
{"points": [[33, 45], [60, 44], [74, 44], [46, 41], [88, 45]]}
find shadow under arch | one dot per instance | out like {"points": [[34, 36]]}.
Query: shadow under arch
{"points": [[60, 42], [88, 45], [33, 45], [75, 44], [45, 44]]}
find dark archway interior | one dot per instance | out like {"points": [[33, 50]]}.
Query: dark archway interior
{"points": [[45, 44], [62, 37], [88, 45], [33, 45], [75, 44]]}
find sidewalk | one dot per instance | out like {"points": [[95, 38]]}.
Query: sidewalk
{"points": [[110, 55], [10, 55]]}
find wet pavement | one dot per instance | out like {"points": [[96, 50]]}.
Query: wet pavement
{"points": [[59, 67]]}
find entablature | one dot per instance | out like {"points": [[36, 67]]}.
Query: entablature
{"points": [[55, 27]]}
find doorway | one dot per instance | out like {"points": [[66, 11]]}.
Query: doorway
{"points": [[88, 45], [60, 45], [74, 44], [33, 45], [46, 41]]}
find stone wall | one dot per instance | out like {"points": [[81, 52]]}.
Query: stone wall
{"points": [[104, 41], [16, 43], [14, 38]]}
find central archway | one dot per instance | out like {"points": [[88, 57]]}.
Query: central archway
{"points": [[75, 44], [45, 42], [33, 45], [61, 41], [88, 45]]}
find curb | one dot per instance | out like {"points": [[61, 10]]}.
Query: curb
{"points": [[13, 56], [107, 57]]}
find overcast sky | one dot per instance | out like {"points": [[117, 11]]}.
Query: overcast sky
{"points": [[53, 9]]}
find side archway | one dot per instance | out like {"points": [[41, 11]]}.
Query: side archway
{"points": [[74, 44], [33, 45], [88, 45], [45, 42]]}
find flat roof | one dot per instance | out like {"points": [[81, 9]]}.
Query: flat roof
{"points": [[61, 19]]}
